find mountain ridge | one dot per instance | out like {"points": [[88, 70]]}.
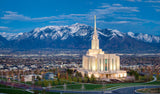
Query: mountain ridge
{"points": [[78, 36]]}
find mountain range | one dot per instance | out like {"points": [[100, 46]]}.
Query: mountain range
{"points": [[78, 36]]}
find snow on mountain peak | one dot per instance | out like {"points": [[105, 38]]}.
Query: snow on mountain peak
{"points": [[77, 29], [62, 32], [10, 36], [130, 34], [116, 32], [144, 37], [78, 24]]}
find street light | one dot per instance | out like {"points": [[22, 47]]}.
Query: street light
{"points": [[82, 87], [103, 87], [33, 84], [64, 86], [49, 86]]}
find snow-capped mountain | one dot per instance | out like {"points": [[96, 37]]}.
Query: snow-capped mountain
{"points": [[145, 37], [57, 32], [78, 36], [10, 36], [63, 32]]}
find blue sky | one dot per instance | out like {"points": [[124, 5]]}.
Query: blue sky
{"points": [[138, 16]]}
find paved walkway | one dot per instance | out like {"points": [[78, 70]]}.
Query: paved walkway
{"points": [[131, 90], [155, 79]]}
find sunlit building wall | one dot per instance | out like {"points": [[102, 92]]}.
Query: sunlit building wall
{"points": [[98, 63]]}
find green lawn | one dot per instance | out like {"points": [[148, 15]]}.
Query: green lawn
{"points": [[154, 83], [13, 91], [10, 90], [3, 86], [43, 92], [106, 87], [79, 87]]}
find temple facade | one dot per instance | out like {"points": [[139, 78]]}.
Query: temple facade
{"points": [[98, 63]]}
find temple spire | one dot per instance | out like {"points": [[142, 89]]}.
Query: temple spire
{"points": [[95, 24], [95, 41]]}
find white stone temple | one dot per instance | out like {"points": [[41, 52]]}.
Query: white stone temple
{"points": [[98, 63]]}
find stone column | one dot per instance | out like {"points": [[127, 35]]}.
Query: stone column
{"points": [[118, 63], [98, 64], [107, 64], [110, 64], [103, 64]]}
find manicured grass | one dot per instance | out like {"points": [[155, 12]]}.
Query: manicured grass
{"points": [[106, 87], [96, 86], [92, 86], [120, 85], [79, 87], [9, 90], [154, 83], [43, 92], [3, 86], [13, 91]]}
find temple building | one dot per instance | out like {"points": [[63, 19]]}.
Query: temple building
{"points": [[98, 63]]}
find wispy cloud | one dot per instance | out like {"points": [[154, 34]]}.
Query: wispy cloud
{"points": [[102, 10], [57, 22], [43, 18], [118, 13], [117, 5], [148, 1], [138, 20], [114, 22], [113, 11], [153, 1], [3, 27], [134, 0], [132, 19], [9, 15], [158, 10], [131, 0], [118, 8]]}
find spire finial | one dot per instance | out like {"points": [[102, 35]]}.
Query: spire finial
{"points": [[94, 23]]}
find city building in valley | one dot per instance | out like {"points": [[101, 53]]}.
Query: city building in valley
{"points": [[98, 63]]}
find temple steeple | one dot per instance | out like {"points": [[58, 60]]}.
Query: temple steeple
{"points": [[95, 31], [95, 41]]}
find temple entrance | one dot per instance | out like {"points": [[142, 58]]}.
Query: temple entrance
{"points": [[107, 75]]}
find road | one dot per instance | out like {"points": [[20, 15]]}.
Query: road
{"points": [[155, 79], [130, 90]]}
